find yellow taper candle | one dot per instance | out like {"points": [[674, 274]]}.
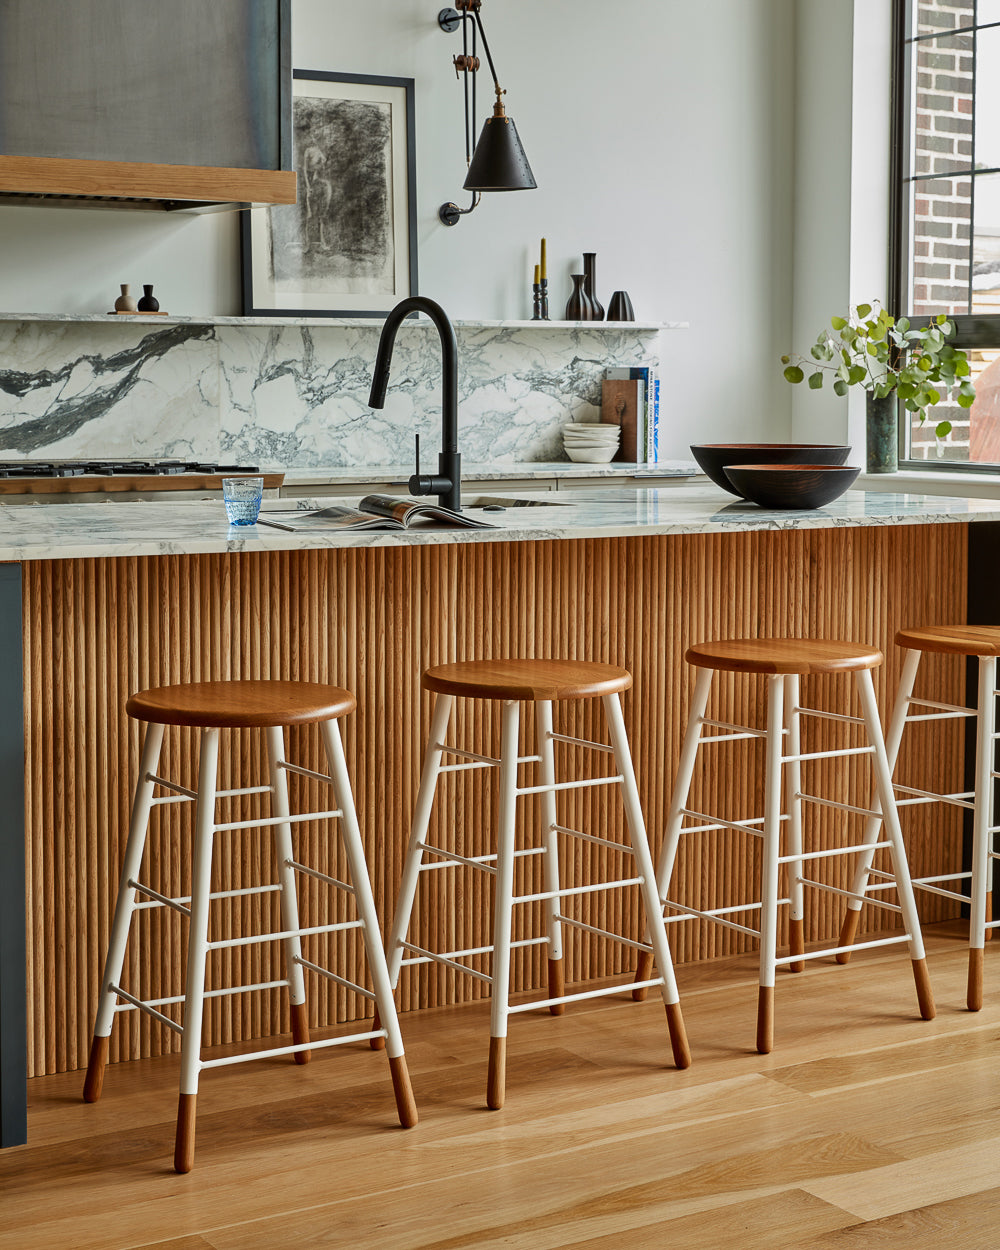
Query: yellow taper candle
{"points": [[537, 272], [541, 268]]}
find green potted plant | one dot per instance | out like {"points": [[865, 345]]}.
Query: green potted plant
{"points": [[896, 362]]}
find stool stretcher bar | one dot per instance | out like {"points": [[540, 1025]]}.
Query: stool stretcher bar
{"points": [[581, 742], [836, 850], [576, 889], [318, 876], [179, 998], [605, 933], [836, 950], [744, 731], [838, 805], [302, 772], [284, 933], [691, 912], [145, 1007], [161, 900], [289, 1050], [332, 976], [717, 822], [569, 785], [833, 889], [827, 755], [593, 837], [841, 716], [603, 992], [267, 822], [958, 799]]}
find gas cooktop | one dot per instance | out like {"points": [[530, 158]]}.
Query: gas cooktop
{"points": [[118, 468]]}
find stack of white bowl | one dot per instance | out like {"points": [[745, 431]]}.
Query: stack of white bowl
{"points": [[594, 442]]}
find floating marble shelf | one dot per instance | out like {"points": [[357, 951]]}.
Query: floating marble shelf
{"points": [[353, 323]]}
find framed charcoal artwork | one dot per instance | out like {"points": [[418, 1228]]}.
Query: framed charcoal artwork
{"points": [[347, 248]]}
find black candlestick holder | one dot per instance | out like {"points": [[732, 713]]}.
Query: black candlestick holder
{"points": [[536, 301], [544, 300]]}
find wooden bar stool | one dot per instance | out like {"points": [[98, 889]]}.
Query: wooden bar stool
{"points": [[540, 682], [211, 707], [783, 661], [983, 642]]}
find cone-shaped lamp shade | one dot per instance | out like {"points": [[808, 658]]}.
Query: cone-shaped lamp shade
{"points": [[499, 163]]}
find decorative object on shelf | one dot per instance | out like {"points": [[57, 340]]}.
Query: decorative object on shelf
{"points": [[543, 282], [893, 360], [149, 303], [591, 442], [536, 298], [621, 404], [620, 308], [714, 458], [125, 302], [791, 485], [580, 306], [589, 268], [498, 162], [348, 248]]}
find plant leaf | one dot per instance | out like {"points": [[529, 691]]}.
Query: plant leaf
{"points": [[840, 387], [815, 381], [864, 310], [942, 429], [794, 374], [838, 323]]}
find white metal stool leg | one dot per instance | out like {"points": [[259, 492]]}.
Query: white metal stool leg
{"points": [[873, 824], [194, 995], [440, 717], [675, 818], [793, 809], [502, 906], [982, 832], [351, 836], [650, 895], [292, 944], [124, 910], [550, 840], [890, 817], [769, 864]]}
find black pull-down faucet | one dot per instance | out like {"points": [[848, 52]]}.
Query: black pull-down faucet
{"points": [[447, 485]]}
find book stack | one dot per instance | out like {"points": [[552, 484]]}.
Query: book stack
{"points": [[630, 397]]}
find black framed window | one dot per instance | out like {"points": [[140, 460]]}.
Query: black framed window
{"points": [[946, 211]]}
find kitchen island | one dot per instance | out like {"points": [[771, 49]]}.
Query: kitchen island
{"points": [[98, 600]]}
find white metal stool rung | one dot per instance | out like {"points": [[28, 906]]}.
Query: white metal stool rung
{"points": [[244, 705], [404, 952], [785, 801], [958, 799]]}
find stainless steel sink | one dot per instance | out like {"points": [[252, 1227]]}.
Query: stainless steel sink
{"points": [[494, 502]]}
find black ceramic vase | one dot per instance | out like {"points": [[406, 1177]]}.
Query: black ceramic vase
{"points": [[580, 306], [590, 283], [149, 302], [881, 434], [620, 308]]}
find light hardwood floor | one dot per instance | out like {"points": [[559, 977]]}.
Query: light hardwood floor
{"points": [[866, 1127]]}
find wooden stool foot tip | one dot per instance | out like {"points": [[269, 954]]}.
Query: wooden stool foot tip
{"points": [[796, 944], [925, 997], [678, 1036], [184, 1143], [765, 1019], [557, 985], [974, 992], [377, 1043], [94, 1082], [848, 932], [643, 971], [406, 1106], [496, 1081], [300, 1032]]}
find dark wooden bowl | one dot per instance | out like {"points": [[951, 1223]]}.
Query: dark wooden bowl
{"points": [[713, 457], [791, 485]]}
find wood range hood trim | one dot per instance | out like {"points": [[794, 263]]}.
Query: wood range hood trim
{"points": [[40, 180]]}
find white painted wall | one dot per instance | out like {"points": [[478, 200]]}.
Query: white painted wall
{"points": [[661, 136]]}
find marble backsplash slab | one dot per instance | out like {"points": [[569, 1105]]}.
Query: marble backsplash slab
{"points": [[295, 395]]}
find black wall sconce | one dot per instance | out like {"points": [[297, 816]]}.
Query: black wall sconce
{"points": [[497, 163]]}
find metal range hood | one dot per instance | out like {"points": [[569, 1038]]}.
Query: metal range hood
{"points": [[178, 105]]}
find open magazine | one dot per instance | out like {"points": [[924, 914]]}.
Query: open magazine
{"points": [[375, 512]]}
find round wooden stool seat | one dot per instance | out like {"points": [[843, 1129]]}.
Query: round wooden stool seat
{"points": [[527, 680], [783, 655], [240, 704], [952, 639]]}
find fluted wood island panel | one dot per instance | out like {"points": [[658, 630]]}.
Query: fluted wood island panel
{"points": [[370, 619]]}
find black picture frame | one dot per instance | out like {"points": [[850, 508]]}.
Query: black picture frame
{"points": [[348, 247]]}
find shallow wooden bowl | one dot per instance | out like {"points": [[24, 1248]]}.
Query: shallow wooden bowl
{"points": [[791, 485], [713, 457]]}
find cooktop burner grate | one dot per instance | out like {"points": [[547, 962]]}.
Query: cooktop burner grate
{"points": [[117, 468]]}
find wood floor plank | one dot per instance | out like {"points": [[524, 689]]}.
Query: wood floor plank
{"points": [[971, 1222], [600, 1135]]}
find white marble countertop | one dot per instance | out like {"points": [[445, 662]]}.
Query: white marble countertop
{"points": [[496, 472], [64, 531]]}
